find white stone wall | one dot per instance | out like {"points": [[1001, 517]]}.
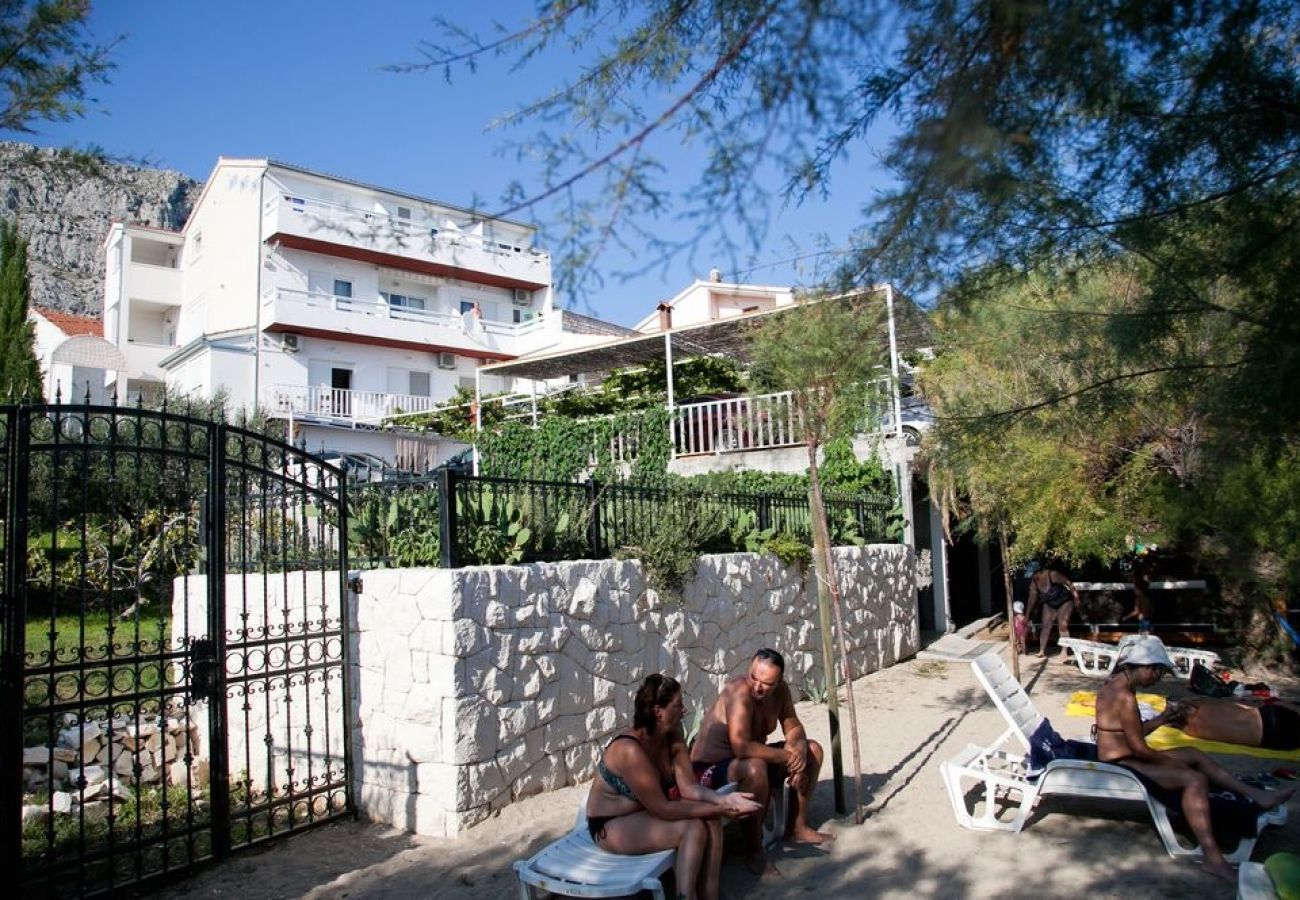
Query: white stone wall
{"points": [[478, 686]]}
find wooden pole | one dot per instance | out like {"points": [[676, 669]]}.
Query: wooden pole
{"points": [[1011, 616]]}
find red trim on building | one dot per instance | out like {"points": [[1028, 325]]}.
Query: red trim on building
{"points": [[328, 248]]}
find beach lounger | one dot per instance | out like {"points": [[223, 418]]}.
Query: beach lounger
{"points": [[573, 866], [1007, 781], [1098, 659], [1253, 883]]}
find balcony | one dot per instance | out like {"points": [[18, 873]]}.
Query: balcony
{"points": [[375, 319], [416, 244], [158, 284], [317, 402]]}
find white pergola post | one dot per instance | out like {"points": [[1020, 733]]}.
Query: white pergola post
{"points": [[478, 414], [893, 363], [672, 420]]}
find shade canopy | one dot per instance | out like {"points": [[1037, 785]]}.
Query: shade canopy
{"points": [[89, 352]]}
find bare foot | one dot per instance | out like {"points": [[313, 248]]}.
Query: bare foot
{"points": [[1272, 799], [760, 865], [808, 836], [1220, 869], [1041, 655]]}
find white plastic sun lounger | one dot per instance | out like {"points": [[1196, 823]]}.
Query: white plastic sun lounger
{"points": [[1006, 780], [1098, 659], [573, 866]]}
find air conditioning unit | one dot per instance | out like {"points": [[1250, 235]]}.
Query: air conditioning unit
{"points": [[523, 297], [289, 342], [446, 360]]}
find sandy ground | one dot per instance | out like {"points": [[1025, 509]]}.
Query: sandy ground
{"points": [[911, 717]]}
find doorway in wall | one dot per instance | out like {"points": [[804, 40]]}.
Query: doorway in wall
{"points": [[341, 391]]}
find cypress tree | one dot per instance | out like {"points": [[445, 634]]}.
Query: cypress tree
{"points": [[20, 373]]}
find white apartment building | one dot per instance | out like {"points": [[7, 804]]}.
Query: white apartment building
{"points": [[714, 299], [331, 303]]}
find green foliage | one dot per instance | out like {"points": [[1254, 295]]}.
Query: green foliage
{"points": [[397, 527], [631, 446], [20, 373], [841, 471], [46, 62], [494, 529], [668, 544], [790, 549]]}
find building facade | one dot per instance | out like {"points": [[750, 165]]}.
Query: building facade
{"points": [[330, 303]]}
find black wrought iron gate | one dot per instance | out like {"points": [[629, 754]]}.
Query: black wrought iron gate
{"points": [[173, 652]]}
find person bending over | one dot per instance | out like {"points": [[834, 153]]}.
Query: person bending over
{"points": [[631, 808], [732, 746], [1121, 740]]}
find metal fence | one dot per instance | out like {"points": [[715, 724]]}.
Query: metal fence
{"points": [[173, 682], [453, 520]]}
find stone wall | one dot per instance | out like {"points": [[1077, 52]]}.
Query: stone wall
{"points": [[478, 686]]}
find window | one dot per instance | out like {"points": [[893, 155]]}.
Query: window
{"points": [[467, 306], [196, 246], [466, 382], [403, 212], [403, 300], [420, 384], [342, 288]]}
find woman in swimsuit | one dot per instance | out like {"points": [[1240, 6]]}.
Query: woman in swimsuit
{"points": [[630, 809], [1121, 740]]}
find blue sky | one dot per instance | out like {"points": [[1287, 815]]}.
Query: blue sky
{"points": [[302, 81]]}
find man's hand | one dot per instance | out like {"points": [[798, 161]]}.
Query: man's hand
{"points": [[797, 757]]}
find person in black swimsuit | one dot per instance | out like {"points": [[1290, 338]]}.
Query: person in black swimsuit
{"points": [[632, 806], [1121, 740]]}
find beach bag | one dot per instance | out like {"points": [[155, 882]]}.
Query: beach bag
{"points": [[1046, 745], [1205, 682]]}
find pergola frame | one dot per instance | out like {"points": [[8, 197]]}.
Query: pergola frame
{"points": [[722, 337]]}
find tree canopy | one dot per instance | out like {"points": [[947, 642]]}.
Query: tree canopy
{"points": [[47, 62]]}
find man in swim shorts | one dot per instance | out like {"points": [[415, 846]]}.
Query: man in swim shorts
{"points": [[732, 746]]}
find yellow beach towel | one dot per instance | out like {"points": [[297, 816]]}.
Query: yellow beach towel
{"points": [[1084, 703]]}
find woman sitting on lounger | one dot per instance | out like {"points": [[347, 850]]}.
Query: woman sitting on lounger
{"points": [[633, 805], [1121, 740], [1251, 721]]}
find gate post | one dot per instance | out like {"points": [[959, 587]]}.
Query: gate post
{"points": [[218, 762], [445, 478], [13, 637]]}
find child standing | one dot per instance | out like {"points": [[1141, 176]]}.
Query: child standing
{"points": [[1019, 625]]}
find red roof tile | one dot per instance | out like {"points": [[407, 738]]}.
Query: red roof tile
{"points": [[71, 324]]}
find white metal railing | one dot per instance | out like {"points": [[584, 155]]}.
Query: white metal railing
{"points": [[760, 422], [348, 218], [318, 401], [381, 309]]}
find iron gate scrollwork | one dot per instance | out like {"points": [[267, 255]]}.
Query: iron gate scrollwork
{"points": [[173, 654]]}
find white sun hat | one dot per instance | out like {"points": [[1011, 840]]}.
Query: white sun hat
{"points": [[1147, 650]]}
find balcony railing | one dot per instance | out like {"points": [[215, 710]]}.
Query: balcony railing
{"points": [[760, 422], [336, 404], [418, 237], [296, 307]]}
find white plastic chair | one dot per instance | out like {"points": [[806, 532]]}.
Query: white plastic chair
{"points": [[1098, 659], [1006, 779]]}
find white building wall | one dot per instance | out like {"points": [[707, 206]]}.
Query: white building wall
{"points": [[223, 253]]}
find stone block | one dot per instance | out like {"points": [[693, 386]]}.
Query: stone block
{"points": [[582, 601], [496, 614], [469, 727], [36, 756], [528, 681], [419, 743], [465, 638], [495, 686], [516, 719], [423, 705], [430, 636]]}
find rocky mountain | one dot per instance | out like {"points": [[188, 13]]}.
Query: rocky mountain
{"points": [[64, 202]]}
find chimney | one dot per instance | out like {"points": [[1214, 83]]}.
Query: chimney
{"points": [[715, 275], [665, 316]]}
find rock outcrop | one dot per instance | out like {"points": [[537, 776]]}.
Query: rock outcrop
{"points": [[64, 202]]}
